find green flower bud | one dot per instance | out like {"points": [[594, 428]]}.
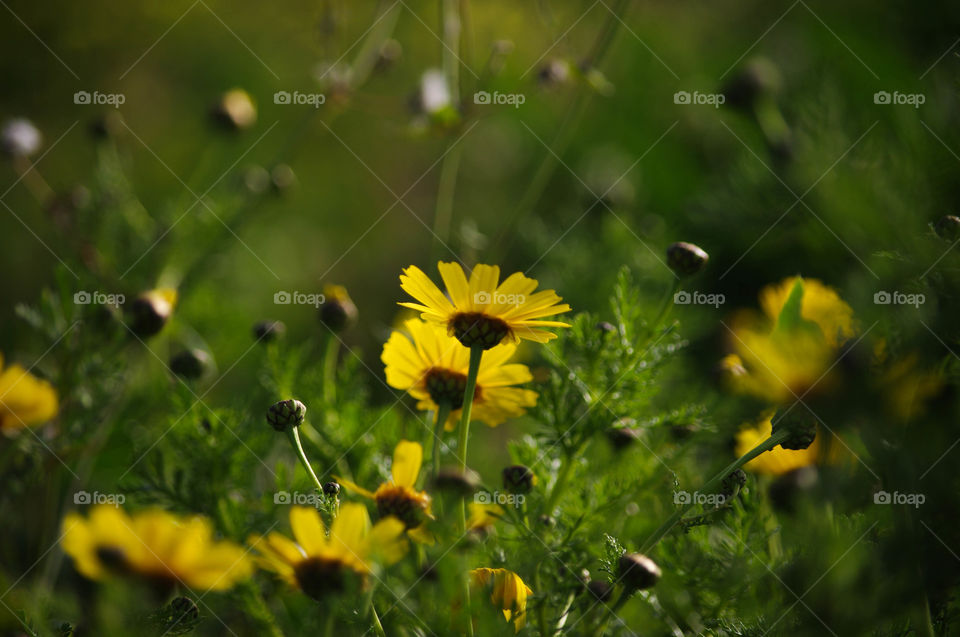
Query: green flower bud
{"points": [[602, 591], [758, 77], [637, 571], [731, 485], [518, 479], [267, 331], [150, 311], [948, 227], [286, 414], [623, 433], [802, 428], [686, 259], [337, 311], [460, 483], [190, 363], [331, 489]]}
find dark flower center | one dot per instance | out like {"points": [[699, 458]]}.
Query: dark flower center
{"points": [[478, 329], [447, 386], [406, 505], [113, 558], [319, 577]]}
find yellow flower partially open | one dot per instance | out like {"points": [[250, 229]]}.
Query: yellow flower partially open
{"points": [[507, 591], [155, 545], [24, 399], [319, 564], [432, 367], [483, 312], [399, 496]]}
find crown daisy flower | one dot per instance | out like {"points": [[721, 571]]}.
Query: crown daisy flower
{"points": [[507, 591], [399, 497], [24, 399], [432, 367], [154, 545], [320, 565], [483, 312]]}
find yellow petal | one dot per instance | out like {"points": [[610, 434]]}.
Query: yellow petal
{"points": [[349, 530], [407, 459], [308, 530], [457, 286]]}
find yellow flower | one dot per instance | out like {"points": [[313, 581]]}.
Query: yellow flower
{"points": [[793, 350], [483, 516], [483, 312], [24, 398], [162, 548], [508, 591], [778, 460], [432, 367], [399, 497], [319, 564]]}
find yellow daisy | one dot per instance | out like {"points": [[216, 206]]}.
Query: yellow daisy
{"points": [[319, 564], [161, 548], [778, 460], [820, 304], [483, 312], [508, 592], [432, 367], [399, 497], [24, 398]]}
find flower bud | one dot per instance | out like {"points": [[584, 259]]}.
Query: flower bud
{"points": [[150, 311], [331, 489], [623, 433], [337, 311], [600, 590], [757, 78], [731, 485], [802, 428], [457, 482], [286, 414], [20, 138], [637, 571], [518, 479], [190, 363], [236, 110], [686, 259], [268, 331], [554, 72], [948, 227]]}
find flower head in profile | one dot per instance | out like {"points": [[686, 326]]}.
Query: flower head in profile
{"points": [[778, 460], [507, 591], [432, 367], [399, 496], [482, 311], [24, 398], [154, 545], [792, 351], [321, 565]]}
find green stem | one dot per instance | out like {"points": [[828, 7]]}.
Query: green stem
{"points": [[713, 483], [476, 353], [445, 199], [376, 621], [602, 626], [330, 351], [294, 436], [443, 411], [565, 470]]}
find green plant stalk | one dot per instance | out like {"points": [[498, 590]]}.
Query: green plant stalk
{"points": [[563, 477], [713, 483], [443, 411], [445, 199], [294, 437], [602, 625], [331, 348], [476, 354], [665, 305]]}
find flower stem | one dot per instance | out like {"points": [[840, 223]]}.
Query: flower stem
{"points": [[476, 353], [294, 436], [562, 478], [713, 483], [330, 351], [443, 411]]}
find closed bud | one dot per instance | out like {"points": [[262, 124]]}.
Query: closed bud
{"points": [[150, 311], [757, 78], [268, 331], [637, 571], [190, 363], [518, 479], [460, 483], [801, 428], [236, 110], [732, 484], [686, 259], [948, 227], [337, 311], [286, 414], [623, 433], [331, 489], [602, 591]]}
